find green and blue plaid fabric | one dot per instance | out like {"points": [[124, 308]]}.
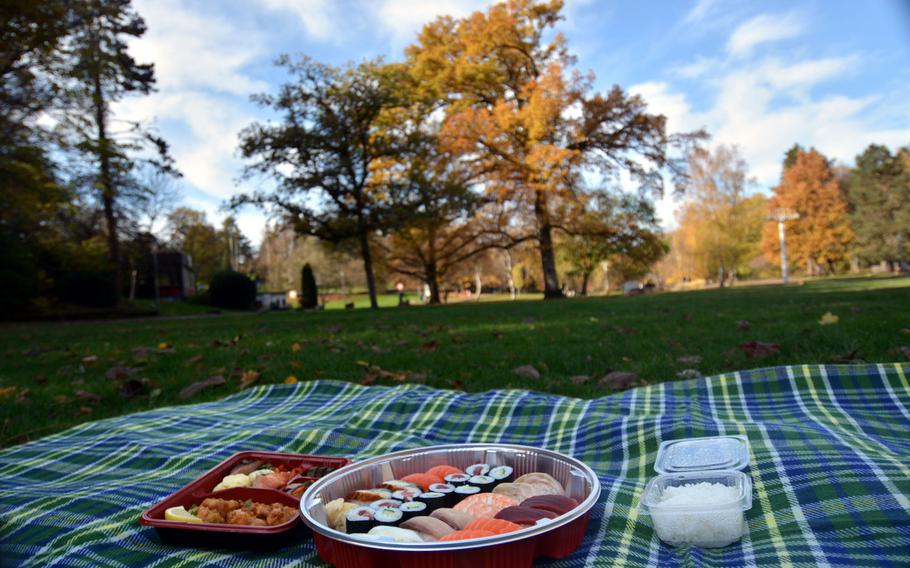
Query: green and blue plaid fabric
{"points": [[830, 463]]}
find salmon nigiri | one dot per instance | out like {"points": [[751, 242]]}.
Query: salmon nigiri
{"points": [[465, 535], [495, 526]]}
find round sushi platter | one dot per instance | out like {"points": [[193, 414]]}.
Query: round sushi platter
{"points": [[474, 505]]}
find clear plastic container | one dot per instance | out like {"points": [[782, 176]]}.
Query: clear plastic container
{"points": [[684, 511], [699, 454]]}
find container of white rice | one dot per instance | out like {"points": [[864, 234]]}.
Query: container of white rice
{"points": [[705, 509]]}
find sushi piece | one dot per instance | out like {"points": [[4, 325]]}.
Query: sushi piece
{"points": [[559, 504], [455, 519], [412, 509], [477, 469], [434, 528], [501, 474], [485, 482], [517, 491], [485, 505], [423, 480], [393, 534], [409, 494], [497, 526], [397, 485], [367, 496], [384, 503], [465, 535], [359, 520], [457, 479], [463, 491], [335, 512], [524, 515], [443, 470], [433, 500], [543, 484], [445, 489], [387, 516]]}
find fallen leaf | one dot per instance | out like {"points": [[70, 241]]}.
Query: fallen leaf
{"points": [[378, 349], [90, 360], [22, 397], [40, 379], [296, 365], [905, 350], [579, 379], [362, 363], [593, 319], [31, 352], [689, 374], [429, 347], [131, 388], [368, 378], [248, 378], [759, 349], [194, 359], [7, 391], [119, 372], [84, 410], [290, 380], [849, 358], [618, 380], [61, 399], [456, 384], [743, 325], [527, 371], [197, 387], [906, 331], [90, 396], [296, 347], [828, 318], [154, 394], [164, 345], [140, 354], [692, 360]]}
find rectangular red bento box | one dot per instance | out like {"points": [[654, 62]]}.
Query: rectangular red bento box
{"points": [[216, 535]]}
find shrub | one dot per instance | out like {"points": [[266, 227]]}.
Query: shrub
{"points": [[89, 288], [232, 290], [309, 296]]}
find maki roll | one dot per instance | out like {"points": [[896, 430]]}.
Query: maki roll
{"points": [[385, 503], [484, 482], [412, 509], [433, 500], [447, 490], [465, 491], [457, 479], [406, 495], [502, 474], [387, 517], [477, 469], [359, 520]]}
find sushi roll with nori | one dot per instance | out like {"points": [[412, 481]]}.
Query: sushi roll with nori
{"points": [[406, 495], [393, 503], [465, 491], [477, 469], [387, 517], [413, 509], [359, 520], [502, 474], [447, 490], [457, 479], [433, 500], [484, 482]]}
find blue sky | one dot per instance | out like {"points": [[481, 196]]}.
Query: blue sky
{"points": [[762, 75]]}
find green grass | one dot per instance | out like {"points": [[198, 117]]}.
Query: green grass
{"points": [[469, 346]]}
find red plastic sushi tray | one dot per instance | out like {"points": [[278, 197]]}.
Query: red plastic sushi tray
{"points": [[216, 535]]}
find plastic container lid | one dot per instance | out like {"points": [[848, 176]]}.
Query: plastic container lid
{"points": [[702, 454]]}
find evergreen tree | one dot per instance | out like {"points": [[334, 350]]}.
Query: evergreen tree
{"points": [[309, 294]]}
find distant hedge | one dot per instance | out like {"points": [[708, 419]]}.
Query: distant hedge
{"points": [[232, 290], [90, 288]]}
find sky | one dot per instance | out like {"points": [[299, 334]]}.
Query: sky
{"points": [[832, 74]]}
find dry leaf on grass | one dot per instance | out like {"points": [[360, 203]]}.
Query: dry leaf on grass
{"points": [[743, 325], [759, 349], [689, 374], [429, 347], [618, 380], [692, 360], [296, 347], [89, 396], [90, 360], [119, 372], [196, 388], [828, 318], [905, 350], [527, 371], [579, 379], [248, 378], [290, 380]]}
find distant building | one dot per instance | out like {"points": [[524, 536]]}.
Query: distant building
{"points": [[274, 300], [176, 277]]}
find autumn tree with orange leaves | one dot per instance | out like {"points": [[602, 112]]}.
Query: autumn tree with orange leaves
{"points": [[821, 237], [518, 111]]}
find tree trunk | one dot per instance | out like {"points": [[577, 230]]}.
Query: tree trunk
{"points": [[511, 278], [584, 283], [478, 285], [107, 184], [721, 275], [433, 283], [368, 268], [547, 257]]}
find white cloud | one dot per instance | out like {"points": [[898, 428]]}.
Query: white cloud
{"points": [[403, 19], [320, 18], [764, 28], [700, 11]]}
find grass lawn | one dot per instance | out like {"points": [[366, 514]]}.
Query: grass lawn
{"points": [[54, 376]]}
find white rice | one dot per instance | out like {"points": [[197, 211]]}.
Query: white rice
{"points": [[702, 514]]}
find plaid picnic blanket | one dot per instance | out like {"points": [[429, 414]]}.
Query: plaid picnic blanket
{"points": [[830, 463]]}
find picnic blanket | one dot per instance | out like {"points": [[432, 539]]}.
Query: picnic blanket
{"points": [[830, 463]]}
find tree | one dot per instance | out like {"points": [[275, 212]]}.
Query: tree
{"points": [[878, 190], [100, 72], [309, 296], [324, 152], [729, 227], [189, 231], [531, 123], [821, 237]]}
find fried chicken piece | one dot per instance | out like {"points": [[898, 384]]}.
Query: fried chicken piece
{"points": [[279, 514], [214, 510], [244, 517]]}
